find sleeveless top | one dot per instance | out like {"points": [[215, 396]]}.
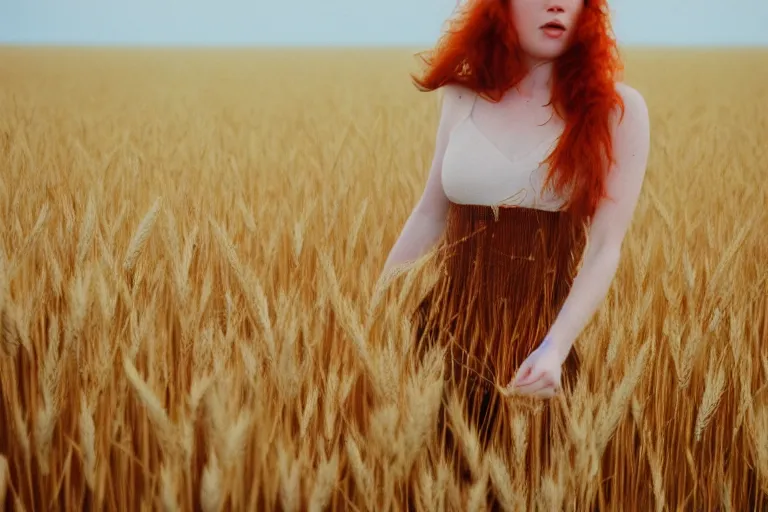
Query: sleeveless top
{"points": [[476, 172]]}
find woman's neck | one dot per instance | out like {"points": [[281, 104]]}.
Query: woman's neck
{"points": [[538, 81]]}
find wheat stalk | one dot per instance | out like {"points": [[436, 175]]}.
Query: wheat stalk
{"points": [[140, 236], [713, 392], [88, 442], [165, 429], [211, 499], [322, 489], [168, 490], [4, 478]]}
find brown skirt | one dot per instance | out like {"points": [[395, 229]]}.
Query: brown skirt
{"points": [[505, 275]]}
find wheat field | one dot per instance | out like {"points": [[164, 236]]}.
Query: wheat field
{"points": [[189, 254]]}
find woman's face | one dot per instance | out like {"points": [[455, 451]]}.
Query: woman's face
{"points": [[545, 27]]}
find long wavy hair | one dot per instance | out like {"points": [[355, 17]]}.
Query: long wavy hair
{"points": [[480, 51]]}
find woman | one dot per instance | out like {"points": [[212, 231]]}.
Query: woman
{"points": [[539, 149]]}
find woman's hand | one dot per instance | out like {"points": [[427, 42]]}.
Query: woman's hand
{"points": [[539, 375]]}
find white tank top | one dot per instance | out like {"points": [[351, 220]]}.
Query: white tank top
{"points": [[475, 171]]}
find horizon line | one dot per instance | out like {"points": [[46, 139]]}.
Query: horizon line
{"points": [[330, 46]]}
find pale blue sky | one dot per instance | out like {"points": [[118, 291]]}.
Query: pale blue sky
{"points": [[344, 22]]}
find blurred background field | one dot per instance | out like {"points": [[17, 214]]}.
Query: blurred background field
{"points": [[189, 243]]}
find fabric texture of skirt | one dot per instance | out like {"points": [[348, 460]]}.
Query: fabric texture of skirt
{"points": [[505, 273]]}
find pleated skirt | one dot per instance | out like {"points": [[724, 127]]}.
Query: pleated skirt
{"points": [[505, 273]]}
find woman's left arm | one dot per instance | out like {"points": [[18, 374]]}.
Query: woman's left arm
{"points": [[631, 145]]}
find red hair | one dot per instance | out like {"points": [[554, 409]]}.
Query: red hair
{"points": [[481, 52]]}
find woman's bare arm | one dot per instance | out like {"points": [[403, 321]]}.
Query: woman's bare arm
{"points": [[426, 223], [610, 224]]}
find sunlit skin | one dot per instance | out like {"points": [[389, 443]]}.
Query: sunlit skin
{"points": [[555, 59]]}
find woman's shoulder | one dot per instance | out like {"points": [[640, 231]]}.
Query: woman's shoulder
{"points": [[633, 100], [457, 90], [456, 93], [455, 101]]}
